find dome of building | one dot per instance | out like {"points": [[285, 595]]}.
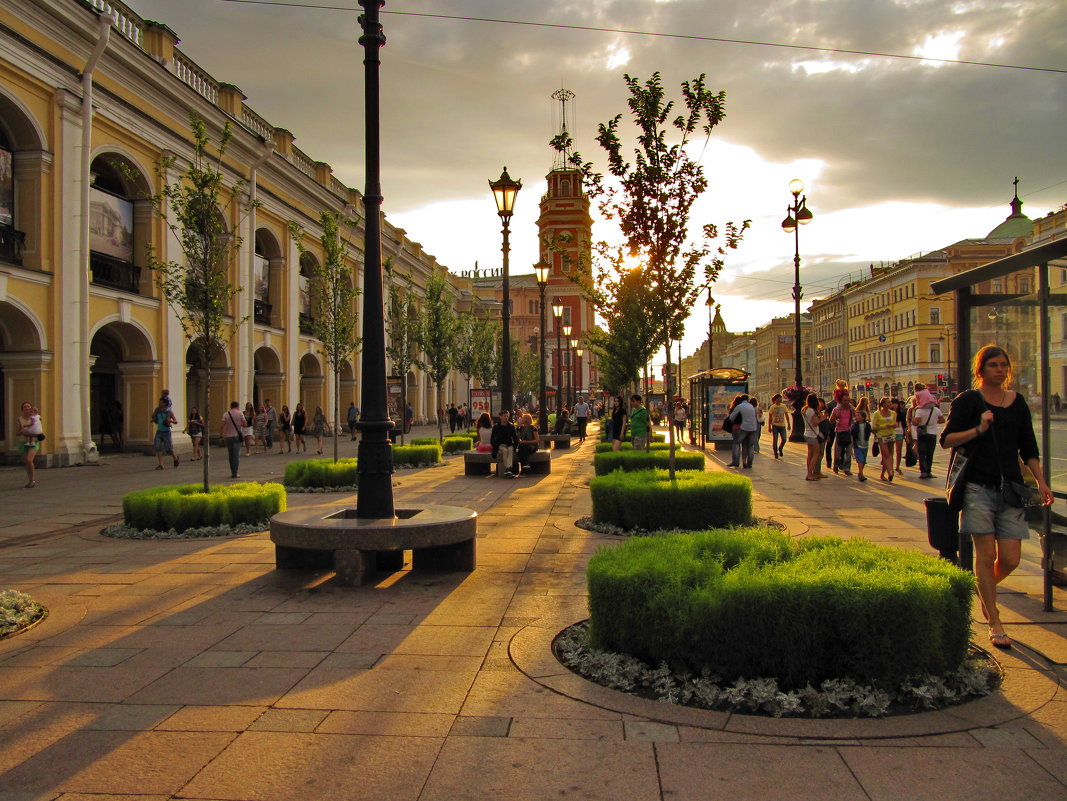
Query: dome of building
{"points": [[1015, 224]]}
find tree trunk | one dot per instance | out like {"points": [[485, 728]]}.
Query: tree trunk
{"points": [[336, 408], [403, 405], [206, 439], [440, 427], [667, 408]]}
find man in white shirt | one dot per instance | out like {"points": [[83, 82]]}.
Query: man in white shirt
{"points": [[581, 414]]}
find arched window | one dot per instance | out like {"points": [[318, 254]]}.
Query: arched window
{"points": [[11, 240], [116, 237], [307, 274]]}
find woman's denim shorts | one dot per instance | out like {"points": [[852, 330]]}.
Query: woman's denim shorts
{"points": [[984, 512]]}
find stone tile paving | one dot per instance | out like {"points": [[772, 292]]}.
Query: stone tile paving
{"points": [[195, 670]]}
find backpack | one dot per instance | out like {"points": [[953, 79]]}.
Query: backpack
{"points": [[728, 424]]}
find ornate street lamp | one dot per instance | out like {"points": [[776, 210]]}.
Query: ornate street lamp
{"points": [[796, 215], [505, 189], [571, 374], [541, 271], [567, 338], [578, 353], [711, 331], [557, 312]]}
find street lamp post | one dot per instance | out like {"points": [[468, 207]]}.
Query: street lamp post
{"points": [[557, 312], [505, 190], [570, 362], [711, 331], [796, 215], [541, 272], [578, 352], [818, 362]]}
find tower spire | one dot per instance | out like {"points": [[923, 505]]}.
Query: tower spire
{"points": [[562, 141]]}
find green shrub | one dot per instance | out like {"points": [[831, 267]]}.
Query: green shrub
{"points": [[604, 447], [417, 455], [657, 437], [322, 473], [187, 506], [647, 499], [752, 603], [653, 437], [458, 444], [629, 460], [425, 441]]}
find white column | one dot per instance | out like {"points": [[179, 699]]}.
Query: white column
{"points": [[290, 319]]}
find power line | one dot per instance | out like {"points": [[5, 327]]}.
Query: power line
{"points": [[657, 34]]}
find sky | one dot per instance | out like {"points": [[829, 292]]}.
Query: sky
{"points": [[898, 155]]}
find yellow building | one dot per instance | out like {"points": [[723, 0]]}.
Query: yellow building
{"points": [[82, 322]]}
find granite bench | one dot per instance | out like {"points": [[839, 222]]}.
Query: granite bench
{"points": [[556, 441]]}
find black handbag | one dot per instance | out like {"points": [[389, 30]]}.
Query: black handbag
{"points": [[1016, 493], [956, 480]]}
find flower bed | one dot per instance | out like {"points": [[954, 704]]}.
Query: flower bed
{"points": [[309, 474], [609, 461], [17, 612], [187, 506], [648, 499], [751, 602]]}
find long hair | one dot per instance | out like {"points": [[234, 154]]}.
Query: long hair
{"points": [[983, 356]]}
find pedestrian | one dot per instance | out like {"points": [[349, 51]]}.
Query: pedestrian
{"points": [[30, 433], [248, 431], [617, 422], [461, 417], [581, 416], [111, 423], [780, 423], [759, 423], [231, 432], [679, 419], [861, 438], [884, 424], [484, 428], [812, 418], [505, 440], [528, 442], [318, 428], [924, 425], [194, 427], [453, 417], [353, 418], [259, 427], [285, 430], [638, 423], [409, 418], [163, 418], [300, 420], [743, 416], [993, 423], [898, 433], [826, 428], [272, 424], [842, 418]]}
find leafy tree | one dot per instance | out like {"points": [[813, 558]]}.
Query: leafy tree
{"points": [[525, 372], [652, 200], [474, 356], [437, 335], [198, 290], [334, 322], [403, 329]]}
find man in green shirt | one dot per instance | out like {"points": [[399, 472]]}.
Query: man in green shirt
{"points": [[638, 423]]}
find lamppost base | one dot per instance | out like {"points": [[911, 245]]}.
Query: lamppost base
{"points": [[797, 434]]}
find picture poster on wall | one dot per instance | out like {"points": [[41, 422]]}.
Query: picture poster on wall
{"points": [[110, 225], [719, 400]]}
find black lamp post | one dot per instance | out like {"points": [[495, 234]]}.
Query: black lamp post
{"points": [[570, 362], [541, 271], [578, 352], [375, 453], [557, 312], [504, 191], [797, 215], [711, 331]]}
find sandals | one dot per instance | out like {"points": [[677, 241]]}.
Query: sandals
{"points": [[31, 485], [1002, 641]]}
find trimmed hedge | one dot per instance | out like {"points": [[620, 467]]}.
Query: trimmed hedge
{"points": [[322, 473], [417, 455], [647, 499], [655, 436], [630, 460], [458, 444], [425, 441], [188, 506], [750, 602], [605, 447]]}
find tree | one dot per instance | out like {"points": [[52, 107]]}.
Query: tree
{"points": [[525, 372], [474, 356], [437, 335], [652, 200], [194, 208], [334, 322], [403, 328]]}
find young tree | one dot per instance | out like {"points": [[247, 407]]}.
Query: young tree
{"points": [[652, 199], [403, 329], [198, 290], [437, 335], [334, 320], [474, 355], [525, 372]]}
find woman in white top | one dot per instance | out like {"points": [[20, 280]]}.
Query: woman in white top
{"points": [[812, 417], [485, 434]]}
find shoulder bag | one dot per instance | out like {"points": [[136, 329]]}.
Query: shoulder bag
{"points": [[1016, 493], [956, 481]]}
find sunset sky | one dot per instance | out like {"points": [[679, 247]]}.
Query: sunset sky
{"points": [[899, 155]]}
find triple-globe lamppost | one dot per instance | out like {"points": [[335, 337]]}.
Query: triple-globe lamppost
{"points": [[570, 362], [797, 214], [541, 271], [505, 189], [557, 312]]}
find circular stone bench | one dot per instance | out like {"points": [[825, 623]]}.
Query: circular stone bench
{"points": [[325, 536]]}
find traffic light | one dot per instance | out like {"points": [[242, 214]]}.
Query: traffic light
{"points": [[941, 382]]}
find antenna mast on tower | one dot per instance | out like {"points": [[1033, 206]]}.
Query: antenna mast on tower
{"points": [[563, 154]]}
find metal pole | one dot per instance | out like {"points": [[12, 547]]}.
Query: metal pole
{"points": [[559, 368], [505, 318], [375, 454], [542, 398]]}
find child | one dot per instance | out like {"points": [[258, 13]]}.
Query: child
{"points": [[922, 397], [861, 437], [840, 390]]}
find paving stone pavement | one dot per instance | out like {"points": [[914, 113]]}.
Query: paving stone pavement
{"points": [[196, 670]]}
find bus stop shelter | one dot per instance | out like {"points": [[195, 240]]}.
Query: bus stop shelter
{"points": [[710, 394]]}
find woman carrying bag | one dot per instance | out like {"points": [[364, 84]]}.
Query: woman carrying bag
{"points": [[992, 427]]}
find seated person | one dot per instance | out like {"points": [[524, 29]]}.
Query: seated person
{"points": [[528, 440], [563, 423]]}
